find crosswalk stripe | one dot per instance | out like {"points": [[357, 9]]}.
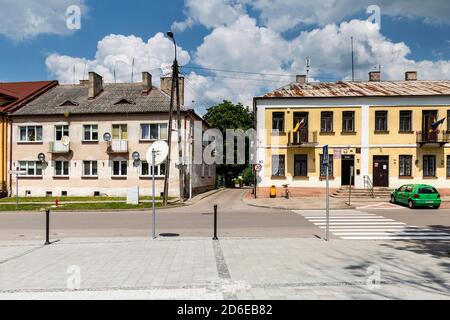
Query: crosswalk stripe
{"points": [[391, 234], [351, 220], [397, 238], [359, 223]]}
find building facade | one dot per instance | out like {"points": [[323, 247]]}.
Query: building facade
{"points": [[380, 133], [70, 125]]}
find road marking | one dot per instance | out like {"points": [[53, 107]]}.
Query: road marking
{"points": [[397, 238]]}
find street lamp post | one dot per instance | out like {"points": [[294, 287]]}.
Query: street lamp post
{"points": [[175, 94]]}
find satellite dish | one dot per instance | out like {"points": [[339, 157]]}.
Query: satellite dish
{"points": [[41, 157], [162, 150], [65, 141], [107, 137], [136, 156]]}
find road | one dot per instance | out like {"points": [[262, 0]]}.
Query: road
{"points": [[236, 219]]}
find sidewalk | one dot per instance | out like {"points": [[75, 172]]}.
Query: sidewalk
{"points": [[233, 268]]}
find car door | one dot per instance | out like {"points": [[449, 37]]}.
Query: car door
{"points": [[408, 194]]}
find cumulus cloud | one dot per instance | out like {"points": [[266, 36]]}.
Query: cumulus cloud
{"points": [[116, 53], [25, 19]]}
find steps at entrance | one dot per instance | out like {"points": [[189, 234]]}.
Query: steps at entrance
{"points": [[343, 193]]}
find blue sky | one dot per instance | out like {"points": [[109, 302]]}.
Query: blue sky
{"points": [[244, 35]]}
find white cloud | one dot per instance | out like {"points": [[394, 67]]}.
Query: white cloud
{"points": [[25, 19], [116, 52], [209, 13]]}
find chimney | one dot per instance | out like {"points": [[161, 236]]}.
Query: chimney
{"points": [[411, 76], [166, 86], [301, 79], [375, 76], [146, 82], [95, 85]]}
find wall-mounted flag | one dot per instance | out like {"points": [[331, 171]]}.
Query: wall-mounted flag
{"points": [[437, 124], [300, 125]]}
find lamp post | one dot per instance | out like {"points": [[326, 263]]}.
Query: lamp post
{"points": [[175, 94]]}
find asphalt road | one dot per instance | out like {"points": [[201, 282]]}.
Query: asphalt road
{"points": [[236, 219]]}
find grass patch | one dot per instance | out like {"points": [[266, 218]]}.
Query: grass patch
{"points": [[62, 199], [78, 206]]}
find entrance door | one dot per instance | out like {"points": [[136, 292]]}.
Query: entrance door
{"points": [[381, 171], [348, 170], [429, 117]]}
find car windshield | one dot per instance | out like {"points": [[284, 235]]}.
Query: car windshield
{"points": [[427, 190]]}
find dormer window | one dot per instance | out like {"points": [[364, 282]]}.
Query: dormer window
{"points": [[124, 101], [68, 103]]}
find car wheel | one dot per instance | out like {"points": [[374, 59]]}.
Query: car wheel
{"points": [[411, 204], [393, 199], [436, 207]]}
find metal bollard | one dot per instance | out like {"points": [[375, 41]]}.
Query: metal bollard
{"points": [[215, 223], [47, 227]]}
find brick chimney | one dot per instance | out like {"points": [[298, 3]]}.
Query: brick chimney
{"points": [[411, 76], [301, 79], [375, 76], [146, 82], [95, 85], [166, 86]]}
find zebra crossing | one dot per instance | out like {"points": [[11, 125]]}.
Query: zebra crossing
{"points": [[357, 225]]}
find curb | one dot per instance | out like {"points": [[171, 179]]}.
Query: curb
{"points": [[212, 192]]}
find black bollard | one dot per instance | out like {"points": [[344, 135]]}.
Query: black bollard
{"points": [[47, 227], [215, 223]]}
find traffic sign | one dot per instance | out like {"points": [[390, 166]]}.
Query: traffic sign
{"points": [[326, 157], [257, 167], [162, 150]]}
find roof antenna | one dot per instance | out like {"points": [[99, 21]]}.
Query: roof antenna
{"points": [[308, 66], [115, 81], [132, 71], [74, 70], [353, 62], [84, 71]]}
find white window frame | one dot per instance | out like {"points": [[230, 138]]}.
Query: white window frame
{"points": [[121, 131], [90, 175], [149, 175], [90, 127], [64, 129], [35, 132], [159, 124], [27, 167], [62, 168], [120, 169]]}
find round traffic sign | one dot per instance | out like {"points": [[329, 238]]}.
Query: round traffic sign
{"points": [[257, 167], [162, 150]]}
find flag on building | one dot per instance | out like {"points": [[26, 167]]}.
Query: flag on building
{"points": [[437, 124]]}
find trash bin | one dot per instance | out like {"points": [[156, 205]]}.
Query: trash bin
{"points": [[273, 192]]}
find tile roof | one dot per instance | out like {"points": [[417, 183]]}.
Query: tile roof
{"points": [[362, 89], [19, 92], [115, 98]]}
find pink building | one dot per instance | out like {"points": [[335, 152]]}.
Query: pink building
{"points": [[135, 115]]}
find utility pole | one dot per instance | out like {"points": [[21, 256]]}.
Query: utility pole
{"points": [[353, 62]]}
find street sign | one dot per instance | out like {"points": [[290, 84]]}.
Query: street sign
{"points": [[326, 156], [162, 150], [257, 167], [17, 172]]}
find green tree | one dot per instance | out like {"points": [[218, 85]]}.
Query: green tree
{"points": [[223, 116]]}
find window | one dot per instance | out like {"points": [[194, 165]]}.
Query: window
{"points": [[326, 122], [300, 165], [61, 131], [120, 132], [278, 165], [147, 170], [33, 168], [348, 121], [155, 131], [448, 166], [448, 120], [405, 121], [278, 121], [90, 132], [381, 121], [90, 168], [61, 168], [30, 134], [429, 166], [323, 168], [120, 168], [405, 166]]}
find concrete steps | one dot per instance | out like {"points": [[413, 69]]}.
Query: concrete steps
{"points": [[343, 193]]}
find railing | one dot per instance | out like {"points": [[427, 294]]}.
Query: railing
{"points": [[439, 137], [368, 185], [118, 146], [302, 137], [58, 147]]}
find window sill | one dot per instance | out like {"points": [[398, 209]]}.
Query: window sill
{"points": [[324, 133], [348, 133], [406, 132], [430, 178], [150, 178], [280, 133], [325, 178], [89, 177], [301, 178], [119, 177], [61, 177], [381, 132], [30, 142], [30, 177], [150, 140], [278, 177], [406, 177], [90, 142]]}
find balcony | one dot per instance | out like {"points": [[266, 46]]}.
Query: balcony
{"points": [[303, 138], [56, 147], [117, 146], [433, 139]]}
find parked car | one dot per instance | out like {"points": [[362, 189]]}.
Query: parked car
{"points": [[417, 195]]}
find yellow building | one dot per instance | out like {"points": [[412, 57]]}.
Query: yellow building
{"points": [[380, 133], [13, 95]]}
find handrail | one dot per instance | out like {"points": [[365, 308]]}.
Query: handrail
{"points": [[368, 184]]}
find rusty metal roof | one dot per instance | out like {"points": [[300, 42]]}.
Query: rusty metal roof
{"points": [[362, 89]]}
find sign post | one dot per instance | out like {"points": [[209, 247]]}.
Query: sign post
{"points": [[326, 163], [153, 193], [17, 173]]}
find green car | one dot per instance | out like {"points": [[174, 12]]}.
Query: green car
{"points": [[417, 195]]}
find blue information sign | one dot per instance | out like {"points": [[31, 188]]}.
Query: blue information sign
{"points": [[325, 157]]}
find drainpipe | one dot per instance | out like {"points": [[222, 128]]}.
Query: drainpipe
{"points": [[10, 122]]}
